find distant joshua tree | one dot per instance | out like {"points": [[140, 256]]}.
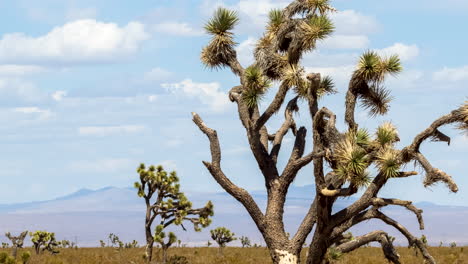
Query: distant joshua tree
{"points": [[245, 241], [102, 243], [163, 199], [44, 241], [342, 160], [16, 242], [222, 236]]}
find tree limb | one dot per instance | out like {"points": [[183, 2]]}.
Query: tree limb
{"points": [[375, 236], [214, 167]]}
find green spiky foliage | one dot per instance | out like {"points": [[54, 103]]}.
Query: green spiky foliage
{"points": [[10, 260], [333, 254], [368, 78], [115, 242], [245, 241], [315, 28], [220, 51], [166, 203], [3, 257], [44, 241], [222, 236], [25, 256], [275, 20], [352, 162], [256, 86], [357, 151], [387, 134]]}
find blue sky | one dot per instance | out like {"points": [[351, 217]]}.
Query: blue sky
{"points": [[91, 88]]}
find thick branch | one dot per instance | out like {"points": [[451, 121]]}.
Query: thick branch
{"points": [[288, 124], [376, 236], [434, 175], [380, 202], [411, 239], [274, 106], [215, 169]]}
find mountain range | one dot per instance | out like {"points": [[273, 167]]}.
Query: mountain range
{"points": [[88, 216]]}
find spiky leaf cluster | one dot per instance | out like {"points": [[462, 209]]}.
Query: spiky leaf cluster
{"points": [[369, 76], [222, 236], [256, 86], [353, 161], [220, 51], [388, 162], [386, 134], [313, 29]]}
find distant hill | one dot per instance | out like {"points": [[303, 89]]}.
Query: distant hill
{"points": [[90, 215]]}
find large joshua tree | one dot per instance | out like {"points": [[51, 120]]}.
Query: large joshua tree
{"points": [[340, 159], [165, 201]]}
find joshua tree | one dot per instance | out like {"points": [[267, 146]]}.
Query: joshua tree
{"points": [[340, 158], [208, 243], [43, 240], [25, 256], [133, 244], [102, 243], [245, 241], [16, 242], [159, 236], [222, 236], [163, 198], [115, 241]]}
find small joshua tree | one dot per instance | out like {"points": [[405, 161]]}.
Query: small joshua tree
{"points": [[159, 237], [133, 244], [342, 160], [163, 198], [245, 241], [222, 236], [5, 245], [25, 256], [16, 242], [102, 243], [208, 243], [115, 241], [44, 241]]}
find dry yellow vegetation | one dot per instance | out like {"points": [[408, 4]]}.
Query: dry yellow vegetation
{"points": [[205, 255]]}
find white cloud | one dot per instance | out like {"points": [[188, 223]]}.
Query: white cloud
{"points": [[19, 70], [75, 42], [59, 95], [81, 13], [207, 93], [345, 42], [13, 89], [245, 51], [157, 74], [110, 130], [452, 74], [152, 98], [42, 114], [406, 52], [104, 165], [257, 11], [177, 29], [350, 22]]}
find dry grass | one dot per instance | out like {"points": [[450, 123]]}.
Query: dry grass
{"points": [[443, 255]]}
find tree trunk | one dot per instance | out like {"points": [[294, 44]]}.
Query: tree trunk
{"points": [[164, 255], [284, 257], [318, 249], [149, 244], [37, 249], [15, 250]]}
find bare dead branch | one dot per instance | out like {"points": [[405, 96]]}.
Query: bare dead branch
{"points": [[375, 236], [214, 167]]}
